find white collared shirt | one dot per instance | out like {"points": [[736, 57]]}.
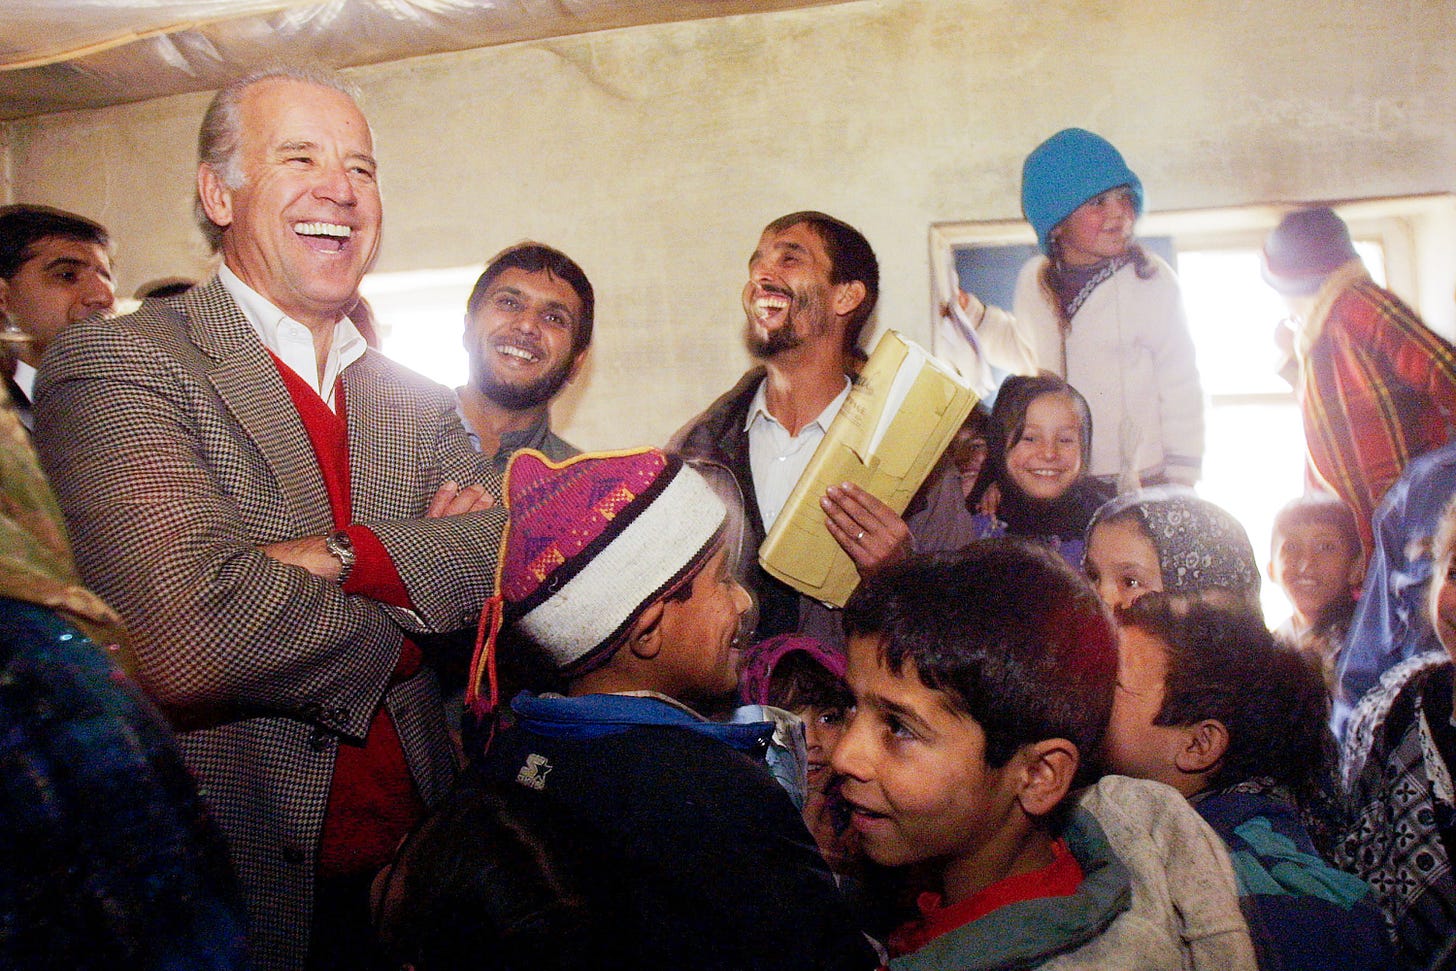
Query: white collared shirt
{"points": [[25, 378], [775, 457], [293, 342]]}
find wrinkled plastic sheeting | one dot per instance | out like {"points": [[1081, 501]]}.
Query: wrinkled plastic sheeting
{"points": [[60, 55]]}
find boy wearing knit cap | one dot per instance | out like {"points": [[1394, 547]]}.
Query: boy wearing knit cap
{"points": [[616, 571], [1376, 386]]}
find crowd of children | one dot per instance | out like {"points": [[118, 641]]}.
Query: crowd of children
{"points": [[1072, 744], [1016, 762]]}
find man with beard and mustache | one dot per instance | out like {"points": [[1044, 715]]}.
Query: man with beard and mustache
{"points": [[528, 325], [812, 283]]}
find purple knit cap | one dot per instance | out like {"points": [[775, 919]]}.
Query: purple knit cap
{"points": [[760, 660]]}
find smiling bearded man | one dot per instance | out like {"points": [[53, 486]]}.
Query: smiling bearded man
{"points": [[528, 326], [275, 510], [812, 283]]}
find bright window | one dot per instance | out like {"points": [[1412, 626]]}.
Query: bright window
{"points": [[420, 316]]}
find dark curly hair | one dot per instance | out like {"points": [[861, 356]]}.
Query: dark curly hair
{"points": [[1224, 664], [1013, 635]]}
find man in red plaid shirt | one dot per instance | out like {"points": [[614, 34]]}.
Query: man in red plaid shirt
{"points": [[1376, 386]]}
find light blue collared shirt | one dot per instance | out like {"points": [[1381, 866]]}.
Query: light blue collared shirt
{"points": [[775, 457]]}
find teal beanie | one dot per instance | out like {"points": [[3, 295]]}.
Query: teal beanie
{"points": [[1066, 170]]}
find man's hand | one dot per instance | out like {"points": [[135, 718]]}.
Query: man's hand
{"points": [[309, 553], [871, 532], [452, 499]]}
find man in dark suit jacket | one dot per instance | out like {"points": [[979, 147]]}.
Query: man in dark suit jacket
{"points": [[275, 509], [55, 270]]}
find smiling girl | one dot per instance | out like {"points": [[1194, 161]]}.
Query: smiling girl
{"points": [[1102, 312], [1041, 432]]}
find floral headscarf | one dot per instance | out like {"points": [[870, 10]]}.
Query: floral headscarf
{"points": [[1200, 546]]}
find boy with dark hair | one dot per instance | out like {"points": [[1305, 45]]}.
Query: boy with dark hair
{"points": [[1210, 704], [616, 570], [1315, 557], [980, 679]]}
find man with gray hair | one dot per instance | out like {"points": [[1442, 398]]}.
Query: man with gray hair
{"points": [[276, 510]]}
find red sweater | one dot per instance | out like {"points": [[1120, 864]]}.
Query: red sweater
{"points": [[373, 801], [1059, 878]]}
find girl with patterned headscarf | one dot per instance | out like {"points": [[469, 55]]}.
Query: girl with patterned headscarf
{"points": [[1169, 539]]}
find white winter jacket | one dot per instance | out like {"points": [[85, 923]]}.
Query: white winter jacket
{"points": [[1129, 353]]}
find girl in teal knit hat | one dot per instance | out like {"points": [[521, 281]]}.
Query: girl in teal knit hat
{"points": [[1100, 311]]}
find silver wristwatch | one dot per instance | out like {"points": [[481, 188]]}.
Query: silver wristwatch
{"points": [[341, 547]]}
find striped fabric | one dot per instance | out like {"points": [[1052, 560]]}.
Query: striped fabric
{"points": [[175, 452], [1377, 389]]}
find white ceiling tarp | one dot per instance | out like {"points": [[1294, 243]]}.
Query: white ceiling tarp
{"points": [[58, 55]]}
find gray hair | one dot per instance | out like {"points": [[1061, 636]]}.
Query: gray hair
{"points": [[219, 140]]}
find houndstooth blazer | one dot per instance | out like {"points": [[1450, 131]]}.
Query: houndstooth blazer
{"points": [[176, 452]]}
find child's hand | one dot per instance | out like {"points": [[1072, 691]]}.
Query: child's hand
{"points": [[871, 532], [990, 500], [970, 308]]}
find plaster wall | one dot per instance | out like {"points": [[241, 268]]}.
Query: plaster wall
{"points": [[654, 155]]}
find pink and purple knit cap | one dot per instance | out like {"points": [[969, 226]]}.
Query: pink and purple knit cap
{"points": [[593, 542], [760, 660]]}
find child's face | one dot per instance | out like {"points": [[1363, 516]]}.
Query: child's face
{"points": [[915, 772], [1122, 562], [1047, 459], [823, 727], [1098, 229], [1314, 564], [1133, 745], [969, 450], [700, 634]]}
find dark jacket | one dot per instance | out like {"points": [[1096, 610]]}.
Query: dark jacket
{"points": [[1303, 913], [107, 858], [682, 831]]}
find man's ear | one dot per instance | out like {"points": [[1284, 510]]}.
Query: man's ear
{"points": [[576, 364], [1048, 768], [848, 297], [1270, 570], [217, 198], [1203, 747], [645, 640], [4, 297]]}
